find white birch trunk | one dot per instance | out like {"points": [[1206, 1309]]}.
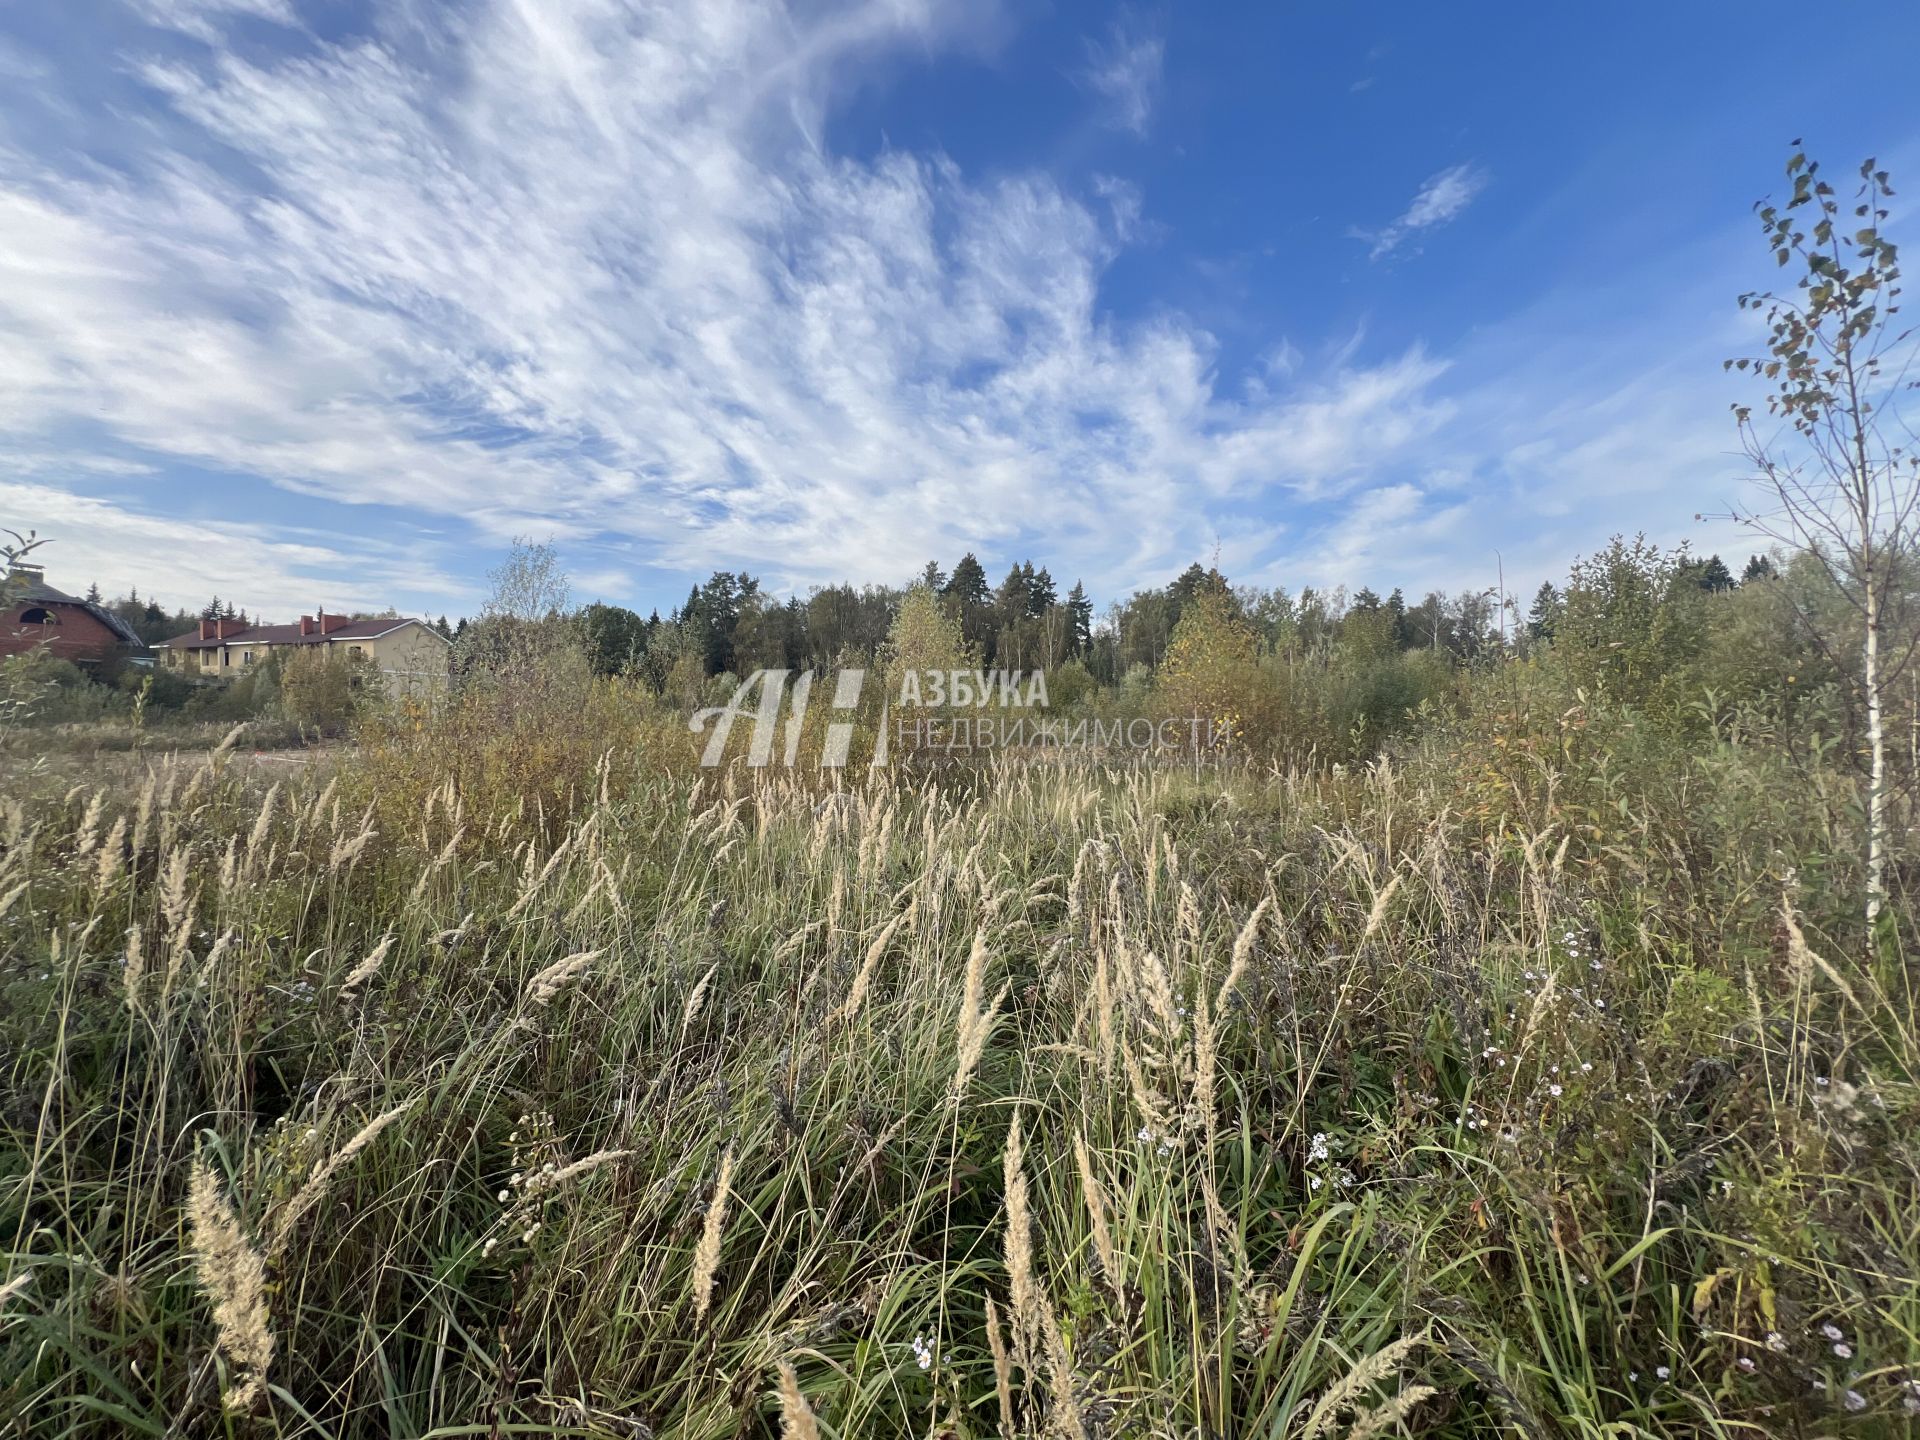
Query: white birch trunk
{"points": [[1877, 775]]}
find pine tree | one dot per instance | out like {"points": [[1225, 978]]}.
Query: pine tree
{"points": [[1397, 610], [1545, 613], [1712, 574], [1080, 619], [1040, 592], [1759, 567], [968, 583]]}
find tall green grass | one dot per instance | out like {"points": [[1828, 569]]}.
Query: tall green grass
{"points": [[1505, 1089]]}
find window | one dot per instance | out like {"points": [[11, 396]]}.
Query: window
{"points": [[246, 657], [39, 615]]}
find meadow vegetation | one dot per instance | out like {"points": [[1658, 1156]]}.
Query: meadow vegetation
{"points": [[1530, 1072]]}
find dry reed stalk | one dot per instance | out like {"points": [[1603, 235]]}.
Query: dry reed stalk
{"points": [[1103, 1247], [568, 1173], [229, 866], [556, 977], [836, 902], [440, 862], [697, 999], [133, 974], [86, 836], [863, 978], [796, 1416], [1021, 1285], [311, 1193], [216, 955], [793, 942], [1187, 914], [1066, 1415], [11, 897], [706, 1256], [1802, 959], [174, 902], [143, 813], [1378, 913], [976, 1020], [1538, 1011], [347, 850], [1153, 871], [1242, 953], [1389, 1413], [234, 1277], [364, 972], [1155, 1113], [1103, 1009], [534, 882], [1002, 1370], [107, 868], [1341, 1394], [1075, 905], [1205, 1057]]}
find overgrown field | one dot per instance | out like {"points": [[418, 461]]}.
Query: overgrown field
{"points": [[1495, 1089]]}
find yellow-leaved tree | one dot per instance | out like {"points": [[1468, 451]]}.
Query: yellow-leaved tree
{"points": [[1212, 674], [925, 638]]}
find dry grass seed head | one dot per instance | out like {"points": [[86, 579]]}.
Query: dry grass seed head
{"points": [[1103, 1246], [311, 1193], [796, 1416], [1342, 1394], [364, 972], [1022, 1287], [549, 982], [233, 1276], [706, 1256], [1002, 1368]]}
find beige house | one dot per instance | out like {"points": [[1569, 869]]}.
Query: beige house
{"points": [[411, 656]]}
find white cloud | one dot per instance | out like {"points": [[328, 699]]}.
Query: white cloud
{"points": [[1125, 69], [183, 562], [1440, 200], [583, 271], [202, 18]]}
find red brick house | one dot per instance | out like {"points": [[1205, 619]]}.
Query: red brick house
{"points": [[38, 616]]}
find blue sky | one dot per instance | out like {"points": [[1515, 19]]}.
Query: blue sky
{"points": [[324, 301]]}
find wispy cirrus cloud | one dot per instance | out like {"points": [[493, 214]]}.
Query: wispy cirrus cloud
{"points": [[587, 271], [178, 560], [1125, 69], [1442, 198]]}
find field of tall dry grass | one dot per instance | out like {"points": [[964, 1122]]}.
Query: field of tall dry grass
{"points": [[1464, 1094]]}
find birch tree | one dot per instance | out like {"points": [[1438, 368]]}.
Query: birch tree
{"points": [[1838, 468]]}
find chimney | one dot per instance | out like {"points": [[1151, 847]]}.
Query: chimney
{"points": [[331, 623], [308, 624], [26, 573], [206, 629]]}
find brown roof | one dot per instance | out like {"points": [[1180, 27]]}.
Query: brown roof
{"points": [[33, 590], [290, 634]]}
